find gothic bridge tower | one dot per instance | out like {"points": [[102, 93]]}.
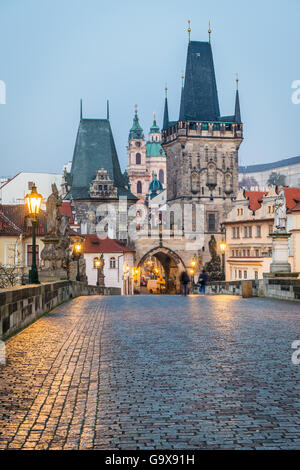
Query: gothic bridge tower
{"points": [[202, 146]]}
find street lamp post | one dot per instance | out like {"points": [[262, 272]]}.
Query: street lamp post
{"points": [[223, 247], [78, 250], [33, 201], [98, 264], [192, 271]]}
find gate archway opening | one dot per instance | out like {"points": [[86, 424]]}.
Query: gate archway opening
{"points": [[158, 271]]}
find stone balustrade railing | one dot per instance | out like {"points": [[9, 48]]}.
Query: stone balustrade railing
{"points": [[19, 306], [283, 288]]}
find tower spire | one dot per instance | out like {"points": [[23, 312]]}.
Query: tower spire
{"points": [[181, 110], [166, 111], [80, 109], [237, 111], [107, 110], [209, 31], [154, 117], [189, 30]]}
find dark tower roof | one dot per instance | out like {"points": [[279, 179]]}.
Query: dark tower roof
{"points": [[95, 148], [166, 115], [181, 110], [200, 96], [237, 112]]}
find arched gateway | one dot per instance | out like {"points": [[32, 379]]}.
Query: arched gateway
{"points": [[172, 265]]}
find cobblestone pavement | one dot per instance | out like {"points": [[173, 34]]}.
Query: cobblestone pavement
{"points": [[154, 372]]}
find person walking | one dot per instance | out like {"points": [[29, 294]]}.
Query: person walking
{"points": [[184, 279], [202, 281]]}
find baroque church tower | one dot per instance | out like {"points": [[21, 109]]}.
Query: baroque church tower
{"points": [[145, 159], [202, 146]]}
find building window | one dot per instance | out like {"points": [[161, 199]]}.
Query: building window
{"points": [[138, 144], [258, 231], [245, 232], [240, 274], [250, 232], [161, 176], [29, 254], [211, 222], [138, 158], [139, 187], [233, 232], [256, 274], [257, 253], [237, 232], [112, 263], [245, 274], [270, 229]]}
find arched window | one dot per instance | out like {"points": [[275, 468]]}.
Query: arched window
{"points": [[139, 187], [161, 176], [138, 158], [112, 263]]}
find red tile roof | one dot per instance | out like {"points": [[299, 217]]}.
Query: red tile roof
{"points": [[296, 207], [292, 196], [66, 209], [255, 199], [13, 220], [94, 244]]}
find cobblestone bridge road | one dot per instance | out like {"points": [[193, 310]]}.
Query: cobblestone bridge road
{"points": [[154, 372]]}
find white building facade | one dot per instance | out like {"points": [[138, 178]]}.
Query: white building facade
{"points": [[118, 263], [14, 190]]}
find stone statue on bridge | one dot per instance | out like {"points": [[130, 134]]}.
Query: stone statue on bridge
{"points": [[55, 255], [280, 219]]}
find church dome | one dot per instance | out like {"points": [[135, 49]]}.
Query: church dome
{"points": [[155, 185]]}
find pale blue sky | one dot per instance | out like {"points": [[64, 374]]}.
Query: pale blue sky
{"points": [[53, 52]]}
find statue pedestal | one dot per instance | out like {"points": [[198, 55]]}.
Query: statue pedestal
{"points": [[280, 255], [53, 258]]}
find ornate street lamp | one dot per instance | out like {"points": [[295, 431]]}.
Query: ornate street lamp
{"points": [[33, 201], [223, 246], [192, 271], [98, 264], [78, 250]]}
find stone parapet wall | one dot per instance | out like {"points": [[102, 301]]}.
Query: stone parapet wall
{"points": [[282, 288], [275, 288], [229, 288], [19, 306]]}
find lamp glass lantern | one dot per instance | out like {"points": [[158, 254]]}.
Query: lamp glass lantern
{"points": [[78, 249], [33, 201]]}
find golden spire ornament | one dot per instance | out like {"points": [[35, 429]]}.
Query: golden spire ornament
{"points": [[209, 31], [166, 91], [189, 30], [237, 80]]}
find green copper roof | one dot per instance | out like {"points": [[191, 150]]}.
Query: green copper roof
{"points": [[154, 149], [154, 129], [95, 148], [136, 132], [155, 186]]}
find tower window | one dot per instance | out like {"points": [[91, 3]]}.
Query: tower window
{"points": [[138, 158], [139, 187], [211, 222], [161, 176]]}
